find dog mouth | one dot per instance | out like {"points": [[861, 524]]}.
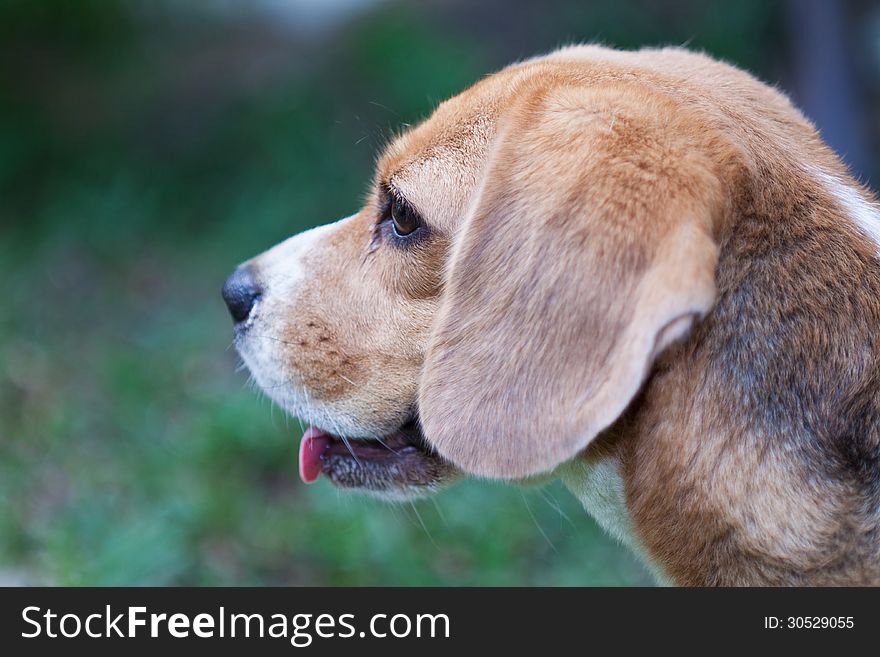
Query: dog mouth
{"points": [[400, 464]]}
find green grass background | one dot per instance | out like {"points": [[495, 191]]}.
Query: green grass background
{"points": [[141, 157]]}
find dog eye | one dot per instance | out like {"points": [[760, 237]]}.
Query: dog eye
{"points": [[404, 219]]}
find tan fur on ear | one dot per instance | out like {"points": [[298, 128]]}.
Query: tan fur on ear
{"points": [[587, 252]]}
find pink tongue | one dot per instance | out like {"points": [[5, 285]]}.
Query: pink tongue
{"points": [[314, 442]]}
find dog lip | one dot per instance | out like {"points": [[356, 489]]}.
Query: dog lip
{"points": [[399, 459], [407, 439]]}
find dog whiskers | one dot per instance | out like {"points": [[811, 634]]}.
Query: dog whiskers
{"points": [[347, 444], [263, 336], [386, 446], [424, 526], [440, 513], [537, 524], [553, 504]]}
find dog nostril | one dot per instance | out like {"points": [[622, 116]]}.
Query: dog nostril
{"points": [[240, 292]]}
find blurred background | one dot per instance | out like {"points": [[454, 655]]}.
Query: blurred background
{"points": [[148, 147]]}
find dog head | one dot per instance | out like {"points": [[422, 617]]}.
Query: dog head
{"points": [[524, 256]]}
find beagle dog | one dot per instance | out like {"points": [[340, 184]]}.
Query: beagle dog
{"points": [[643, 273]]}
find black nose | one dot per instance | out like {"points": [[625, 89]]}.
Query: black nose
{"points": [[240, 292]]}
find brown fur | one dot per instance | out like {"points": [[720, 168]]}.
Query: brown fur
{"points": [[629, 259]]}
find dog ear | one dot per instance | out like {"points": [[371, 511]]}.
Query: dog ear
{"points": [[587, 252]]}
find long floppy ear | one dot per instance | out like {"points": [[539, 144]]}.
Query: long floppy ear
{"points": [[588, 251]]}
